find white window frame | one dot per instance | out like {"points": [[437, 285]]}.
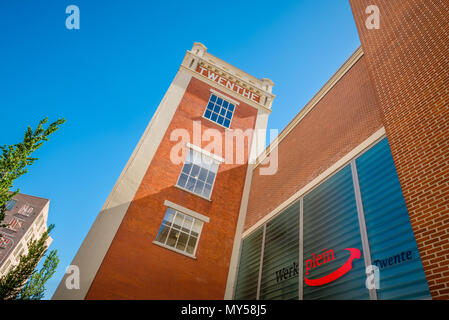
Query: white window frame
{"points": [[226, 98], [187, 212], [214, 157]]}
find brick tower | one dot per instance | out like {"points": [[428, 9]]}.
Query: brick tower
{"points": [[167, 229]]}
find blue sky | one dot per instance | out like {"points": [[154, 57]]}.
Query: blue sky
{"points": [[108, 77]]}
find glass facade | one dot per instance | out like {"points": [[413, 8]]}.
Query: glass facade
{"points": [[339, 223]]}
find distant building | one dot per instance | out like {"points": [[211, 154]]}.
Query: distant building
{"points": [[26, 217]]}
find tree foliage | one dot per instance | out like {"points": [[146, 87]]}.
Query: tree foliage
{"points": [[35, 287], [11, 284], [15, 159]]}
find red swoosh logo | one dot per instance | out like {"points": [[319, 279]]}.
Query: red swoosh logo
{"points": [[355, 254]]}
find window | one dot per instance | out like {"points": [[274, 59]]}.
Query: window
{"points": [[10, 204], [26, 210], [179, 231], [219, 111], [198, 174], [15, 224], [4, 242]]}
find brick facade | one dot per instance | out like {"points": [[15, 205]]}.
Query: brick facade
{"points": [[408, 63], [134, 267], [346, 116]]}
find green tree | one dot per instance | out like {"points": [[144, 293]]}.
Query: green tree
{"points": [[35, 287], [13, 282], [17, 157], [14, 161]]}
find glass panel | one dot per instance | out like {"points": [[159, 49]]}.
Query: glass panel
{"points": [[199, 187], [330, 226], [188, 221], [229, 114], [186, 168], [220, 120], [219, 101], [203, 174], [248, 272], [227, 123], [223, 111], [231, 107], [213, 98], [392, 242], [182, 241], [225, 104], [169, 215], [178, 221], [182, 180], [162, 234], [207, 190], [210, 106], [196, 229], [207, 114], [191, 245], [172, 237], [190, 183], [210, 177], [195, 170], [280, 270], [214, 117]]}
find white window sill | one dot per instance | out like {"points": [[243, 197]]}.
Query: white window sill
{"points": [[191, 192], [174, 249]]}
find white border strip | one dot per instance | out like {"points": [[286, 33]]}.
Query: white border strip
{"points": [[335, 167], [186, 211], [224, 96], [206, 153]]}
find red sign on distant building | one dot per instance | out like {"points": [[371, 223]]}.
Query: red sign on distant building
{"points": [[228, 84]]}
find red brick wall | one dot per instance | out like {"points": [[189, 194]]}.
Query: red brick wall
{"points": [[344, 118], [408, 62], [134, 267]]}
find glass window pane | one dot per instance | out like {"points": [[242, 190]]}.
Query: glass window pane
{"points": [[195, 171], [188, 222], [220, 120], [210, 177], [213, 98], [172, 237], [231, 107], [190, 183], [223, 111], [225, 104], [191, 245], [203, 174], [207, 114], [168, 218], [214, 117], [162, 234], [219, 101], [227, 123], [182, 180], [177, 223], [182, 241], [229, 115], [210, 106], [207, 190], [199, 187], [217, 109], [196, 227], [186, 168]]}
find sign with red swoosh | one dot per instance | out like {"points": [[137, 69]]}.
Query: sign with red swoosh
{"points": [[345, 268]]}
